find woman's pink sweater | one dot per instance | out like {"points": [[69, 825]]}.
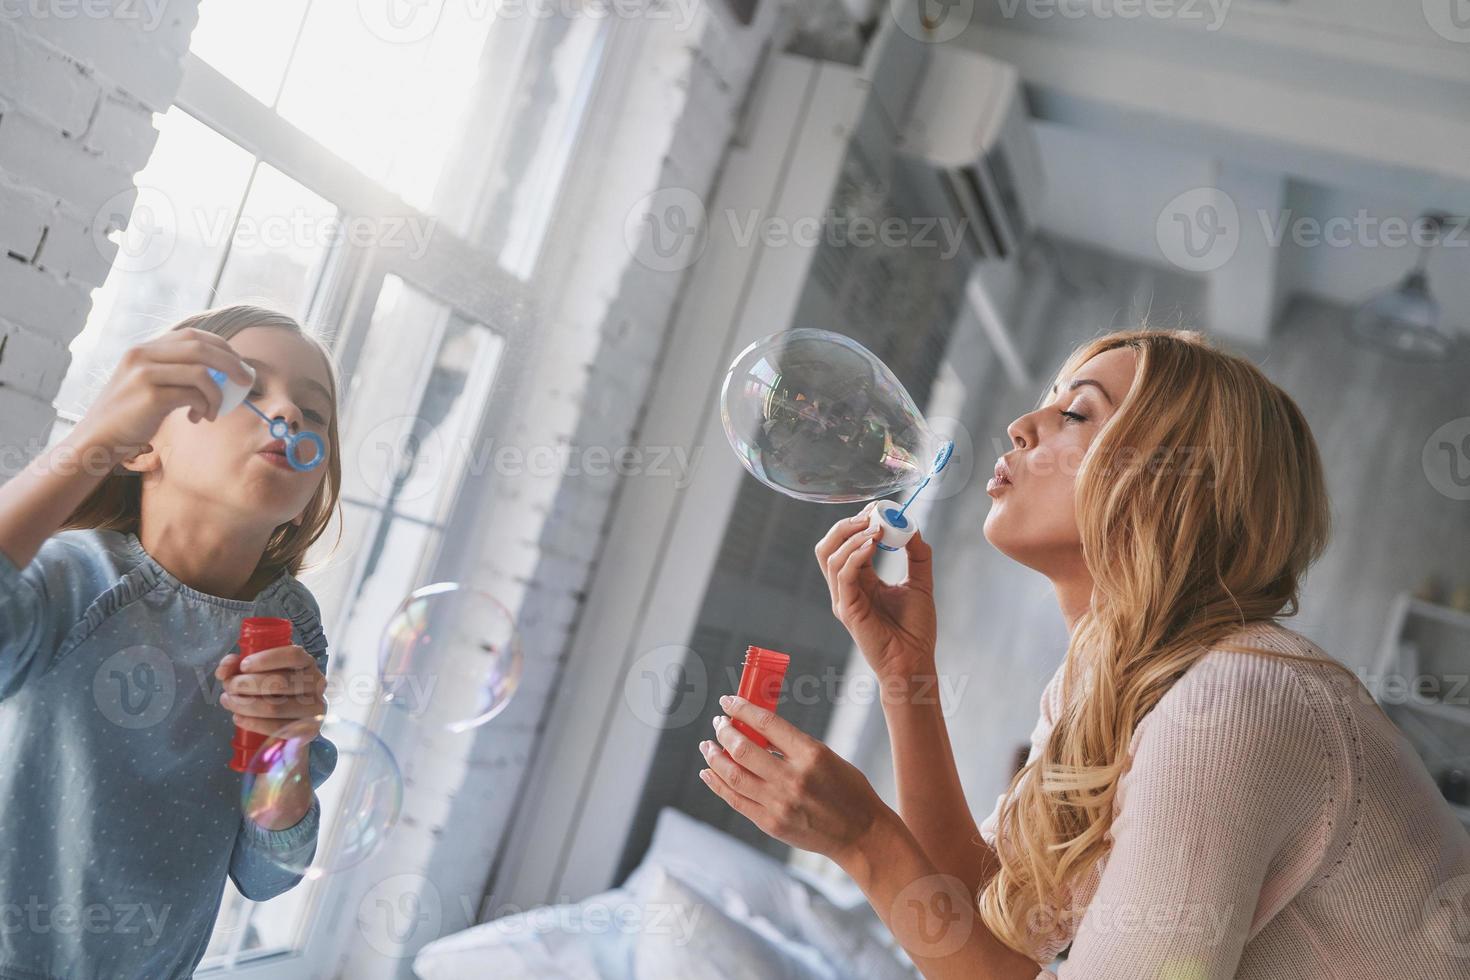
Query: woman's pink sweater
{"points": [[1273, 823]]}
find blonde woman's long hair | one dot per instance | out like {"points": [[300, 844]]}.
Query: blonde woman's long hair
{"points": [[116, 503], [1201, 504]]}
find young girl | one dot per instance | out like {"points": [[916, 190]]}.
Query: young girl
{"points": [[119, 814]]}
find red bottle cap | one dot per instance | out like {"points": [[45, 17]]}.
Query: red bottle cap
{"points": [[760, 684]]}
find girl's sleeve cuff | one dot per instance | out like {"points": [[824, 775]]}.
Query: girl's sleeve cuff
{"points": [[287, 839]]}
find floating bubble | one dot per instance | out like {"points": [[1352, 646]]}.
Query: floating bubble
{"points": [[450, 654], [360, 804], [817, 416]]}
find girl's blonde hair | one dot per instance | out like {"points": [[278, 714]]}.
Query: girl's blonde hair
{"points": [[1200, 505], [116, 503]]}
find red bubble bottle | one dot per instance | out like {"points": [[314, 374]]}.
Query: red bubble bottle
{"points": [[760, 683], [257, 633]]}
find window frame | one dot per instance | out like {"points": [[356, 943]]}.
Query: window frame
{"points": [[466, 278]]}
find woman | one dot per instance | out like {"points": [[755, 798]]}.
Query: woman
{"points": [[1207, 793]]}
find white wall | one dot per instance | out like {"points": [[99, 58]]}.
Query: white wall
{"points": [[78, 86]]}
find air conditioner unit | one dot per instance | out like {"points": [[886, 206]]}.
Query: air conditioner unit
{"points": [[968, 142]]}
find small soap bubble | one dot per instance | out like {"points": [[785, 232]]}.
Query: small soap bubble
{"points": [[451, 654], [360, 804]]}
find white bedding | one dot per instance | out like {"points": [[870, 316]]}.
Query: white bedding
{"points": [[701, 906]]}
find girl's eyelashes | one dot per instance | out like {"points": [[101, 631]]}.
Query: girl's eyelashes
{"points": [[1073, 416], [313, 416]]}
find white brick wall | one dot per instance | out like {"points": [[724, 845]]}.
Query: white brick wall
{"points": [[671, 128], [79, 82]]}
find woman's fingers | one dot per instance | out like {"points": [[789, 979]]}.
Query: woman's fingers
{"points": [[921, 564], [741, 804], [855, 577], [838, 558], [784, 737], [740, 749], [840, 533]]}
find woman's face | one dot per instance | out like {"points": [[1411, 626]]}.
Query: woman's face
{"points": [[228, 461], [1032, 518]]}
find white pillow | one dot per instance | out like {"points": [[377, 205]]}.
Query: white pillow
{"points": [[589, 940], [692, 938], [748, 884]]}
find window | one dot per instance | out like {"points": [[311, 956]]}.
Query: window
{"points": [[303, 134]]}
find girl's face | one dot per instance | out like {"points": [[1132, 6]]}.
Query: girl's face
{"points": [[233, 460], [1033, 518]]}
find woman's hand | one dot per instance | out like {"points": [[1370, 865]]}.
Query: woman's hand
{"points": [[808, 796], [273, 688], [893, 625], [156, 378]]}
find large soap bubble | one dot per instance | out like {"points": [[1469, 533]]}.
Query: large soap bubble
{"points": [[450, 654], [817, 416], [360, 804]]}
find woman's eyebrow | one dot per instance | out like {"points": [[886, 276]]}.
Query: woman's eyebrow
{"points": [[1079, 382], [262, 367]]}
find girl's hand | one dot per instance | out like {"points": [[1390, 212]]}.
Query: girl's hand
{"points": [[273, 688], [154, 379], [808, 796], [893, 625]]}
